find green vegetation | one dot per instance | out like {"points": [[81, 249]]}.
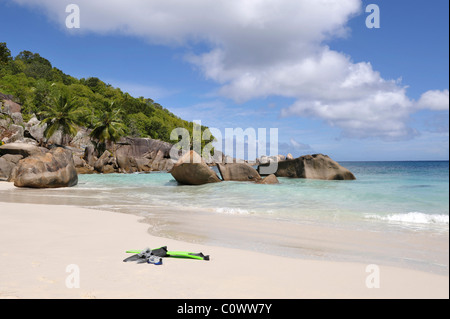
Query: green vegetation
{"points": [[64, 101], [61, 114], [108, 128]]}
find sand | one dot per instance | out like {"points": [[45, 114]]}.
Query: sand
{"points": [[50, 251]]}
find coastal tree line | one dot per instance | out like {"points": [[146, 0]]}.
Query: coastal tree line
{"points": [[65, 102]]}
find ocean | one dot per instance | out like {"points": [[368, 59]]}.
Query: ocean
{"points": [[386, 194], [394, 212]]}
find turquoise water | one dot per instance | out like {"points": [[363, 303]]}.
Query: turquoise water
{"points": [[393, 194], [395, 213]]}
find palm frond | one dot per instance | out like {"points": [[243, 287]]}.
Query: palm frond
{"points": [[50, 130], [63, 114], [109, 127]]}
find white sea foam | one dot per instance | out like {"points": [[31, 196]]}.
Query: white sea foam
{"points": [[232, 211], [414, 218]]}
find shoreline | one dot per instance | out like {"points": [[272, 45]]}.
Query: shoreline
{"points": [[42, 240], [342, 240], [422, 251]]}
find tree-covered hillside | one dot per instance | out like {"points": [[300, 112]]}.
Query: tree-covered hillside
{"points": [[35, 83]]}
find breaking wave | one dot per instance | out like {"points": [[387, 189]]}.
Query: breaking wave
{"points": [[414, 218]]}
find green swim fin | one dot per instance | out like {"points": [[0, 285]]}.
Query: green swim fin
{"points": [[162, 252], [185, 254]]}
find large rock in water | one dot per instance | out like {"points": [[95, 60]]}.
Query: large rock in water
{"points": [[270, 179], [240, 172], [317, 166], [191, 169], [50, 170]]}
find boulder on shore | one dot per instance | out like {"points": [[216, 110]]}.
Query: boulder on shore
{"points": [[50, 170], [6, 168], [7, 164], [238, 172], [317, 166], [23, 149], [191, 169]]}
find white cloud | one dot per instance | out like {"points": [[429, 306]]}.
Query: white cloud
{"points": [[259, 48], [434, 100], [222, 22], [361, 112]]}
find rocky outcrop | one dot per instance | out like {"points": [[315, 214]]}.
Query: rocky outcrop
{"points": [[238, 172], [6, 168], [191, 169], [131, 155], [81, 166], [11, 121], [82, 139], [7, 164], [143, 155], [50, 170], [106, 164], [16, 133], [271, 159], [7, 105], [90, 155], [137, 147], [11, 154], [317, 166], [23, 149], [34, 130], [10, 131]]}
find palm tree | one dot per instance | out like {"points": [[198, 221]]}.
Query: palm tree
{"points": [[109, 127], [61, 114]]}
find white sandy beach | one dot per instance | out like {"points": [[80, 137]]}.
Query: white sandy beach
{"points": [[39, 242]]}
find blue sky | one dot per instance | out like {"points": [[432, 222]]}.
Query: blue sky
{"points": [[317, 73]]}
